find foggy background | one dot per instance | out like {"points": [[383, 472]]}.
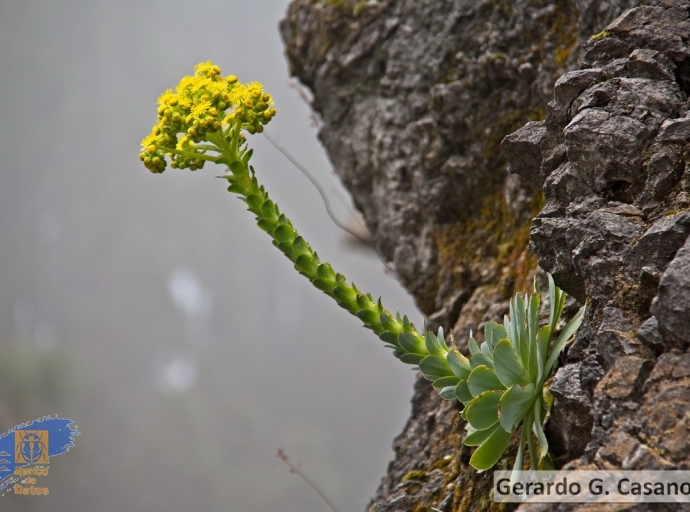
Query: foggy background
{"points": [[149, 308]]}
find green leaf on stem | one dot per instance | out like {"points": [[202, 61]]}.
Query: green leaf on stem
{"points": [[483, 379], [491, 450], [482, 412]]}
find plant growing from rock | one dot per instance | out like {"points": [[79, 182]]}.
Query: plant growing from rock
{"points": [[504, 382]]}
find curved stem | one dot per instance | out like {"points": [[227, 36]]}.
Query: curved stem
{"points": [[190, 154], [269, 218], [204, 147]]}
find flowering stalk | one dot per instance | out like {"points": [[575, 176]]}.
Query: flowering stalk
{"points": [[202, 121]]}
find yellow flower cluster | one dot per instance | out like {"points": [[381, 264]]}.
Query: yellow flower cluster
{"points": [[203, 108]]}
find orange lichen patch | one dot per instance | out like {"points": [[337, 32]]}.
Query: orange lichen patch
{"points": [[493, 244], [564, 26]]}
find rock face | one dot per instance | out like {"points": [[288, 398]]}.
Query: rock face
{"points": [[415, 98], [615, 228]]}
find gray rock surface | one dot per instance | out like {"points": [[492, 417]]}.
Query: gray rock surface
{"points": [[672, 306], [414, 98], [615, 229]]}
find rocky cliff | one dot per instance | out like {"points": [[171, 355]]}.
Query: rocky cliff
{"points": [[415, 98]]}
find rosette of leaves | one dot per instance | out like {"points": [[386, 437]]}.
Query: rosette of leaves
{"points": [[504, 383]]}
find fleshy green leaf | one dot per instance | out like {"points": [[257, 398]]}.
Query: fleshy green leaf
{"points": [[364, 302], [482, 412], [236, 188], [481, 360], [554, 298], [325, 271], [557, 297], [539, 431], [533, 317], [411, 358], [345, 294], [266, 225], [565, 335], [299, 246], [324, 285], [512, 327], [433, 345], [474, 348], [268, 209], [442, 339], [477, 437], [284, 233], [369, 317], [485, 349], [448, 393], [389, 337], [508, 368], [445, 382], [494, 333], [254, 201], [543, 339], [491, 450], [236, 167], [521, 330], [306, 264], [515, 404], [412, 343], [388, 322], [435, 367], [462, 392], [407, 326], [483, 379], [247, 156], [459, 364], [285, 248], [532, 328]]}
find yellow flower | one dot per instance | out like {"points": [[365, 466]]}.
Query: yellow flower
{"points": [[237, 93], [165, 97], [204, 102], [219, 86], [186, 82], [146, 141], [182, 142], [204, 67], [253, 88], [199, 83], [185, 103], [200, 108]]}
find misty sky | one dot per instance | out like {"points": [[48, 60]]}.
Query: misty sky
{"points": [[149, 308]]}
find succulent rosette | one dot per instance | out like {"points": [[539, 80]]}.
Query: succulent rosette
{"points": [[504, 382]]}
